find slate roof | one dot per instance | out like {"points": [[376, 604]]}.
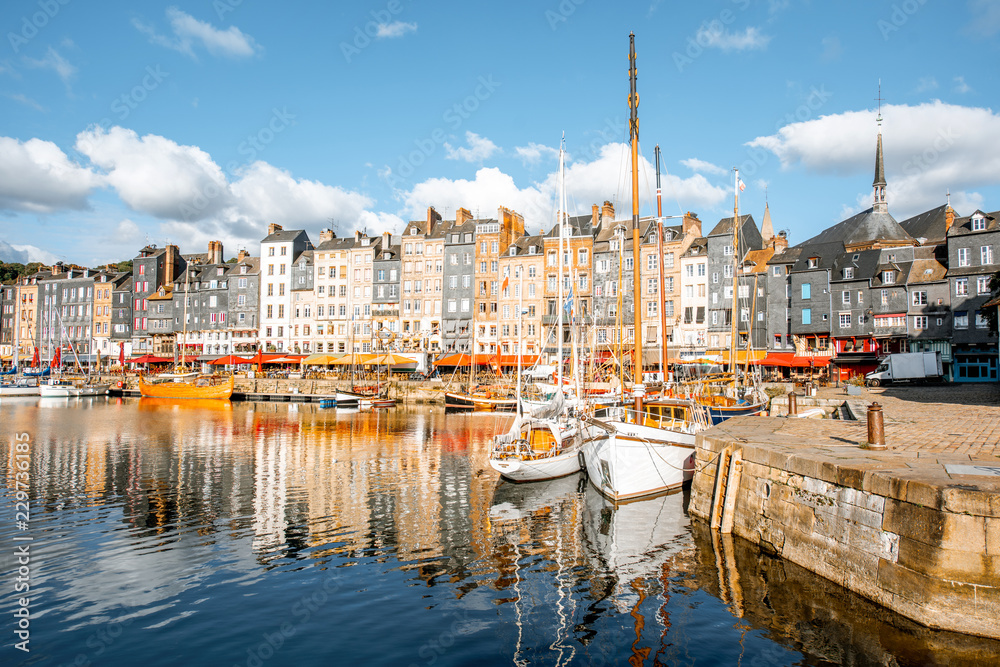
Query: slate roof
{"points": [[252, 264], [284, 236], [786, 256], [698, 248], [928, 225], [867, 226], [865, 265], [963, 225], [902, 270], [725, 226], [826, 255], [927, 271], [337, 243]]}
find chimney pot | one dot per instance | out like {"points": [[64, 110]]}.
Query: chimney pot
{"points": [[272, 228]]}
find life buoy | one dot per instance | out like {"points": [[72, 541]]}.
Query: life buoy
{"points": [[120, 384]]}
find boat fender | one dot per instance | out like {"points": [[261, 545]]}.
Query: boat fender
{"points": [[583, 462]]}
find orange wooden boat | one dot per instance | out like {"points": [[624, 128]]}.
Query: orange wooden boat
{"points": [[204, 386]]}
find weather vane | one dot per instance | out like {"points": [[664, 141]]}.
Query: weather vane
{"points": [[879, 99]]}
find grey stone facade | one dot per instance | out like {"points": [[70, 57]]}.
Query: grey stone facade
{"points": [[721, 265], [244, 303], [459, 294]]}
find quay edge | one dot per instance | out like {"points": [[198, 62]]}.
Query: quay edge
{"points": [[892, 526]]}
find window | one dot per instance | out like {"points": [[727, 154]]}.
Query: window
{"points": [[651, 310], [813, 262], [715, 276], [978, 223], [727, 271], [919, 299], [888, 277], [845, 320], [962, 287], [651, 286], [668, 260], [963, 256], [806, 290], [920, 322], [807, 316], [845, 297], [582, 257], [983, 285], [981, 321], [986, 255], [727, 251], [776, 271], [961, 319]]}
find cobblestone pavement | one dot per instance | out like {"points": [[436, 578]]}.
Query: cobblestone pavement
{"points": [[942, 419]]}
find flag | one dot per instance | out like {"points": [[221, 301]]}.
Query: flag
{"points": [[568, 306], [741, 184], [506, 282], [56, 358]]}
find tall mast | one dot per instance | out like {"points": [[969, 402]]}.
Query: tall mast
{"points": [[17, 327], [520, 333], [187, 288], [559, 262], [633, 103], [662, 269], [734, 313]]}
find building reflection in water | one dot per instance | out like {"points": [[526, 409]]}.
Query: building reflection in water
{"points": [[200, 486]]}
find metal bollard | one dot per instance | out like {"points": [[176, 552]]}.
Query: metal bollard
{"points": [[876, 427], [792, 407]]}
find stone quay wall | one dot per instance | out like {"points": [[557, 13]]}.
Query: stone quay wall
{"points": [[892, 526]]}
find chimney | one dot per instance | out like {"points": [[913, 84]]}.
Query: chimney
{"points": [[57, 269], [692, 225], [432, 217], [272, 228], [949, 218], [242, 254], [215, 252], [462, 216], [594, 216], [171, 264], [386, 240], [608, 211], [326, 235], [780, 242], [357, 235]]}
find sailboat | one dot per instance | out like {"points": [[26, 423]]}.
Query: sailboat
{"points": [[186, 384], [651, 447], [731, 395], [546, 443]]}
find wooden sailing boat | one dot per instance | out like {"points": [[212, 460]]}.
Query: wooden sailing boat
{"points": [[181, 384], [651, 445]]}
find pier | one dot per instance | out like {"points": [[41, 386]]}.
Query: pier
{"points": [[914, 528]]}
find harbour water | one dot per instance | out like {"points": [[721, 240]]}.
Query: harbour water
{"points": [[209, 533]]}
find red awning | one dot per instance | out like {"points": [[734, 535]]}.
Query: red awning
{"points": [[511, 360], [790, 360], [230, 360], [149, 359], [463, 360]]}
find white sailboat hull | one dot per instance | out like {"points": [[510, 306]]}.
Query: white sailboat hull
{"points": [[56, 391], [537, 470], [637, 461], [15, 390]]}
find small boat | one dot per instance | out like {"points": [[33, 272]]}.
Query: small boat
{"points": [[537, 449], [202, 386], [20, 387], [376, 402], [349, 398], [57, 389], [479, 400]]}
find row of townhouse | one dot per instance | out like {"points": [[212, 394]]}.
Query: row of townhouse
{"points": [[850, 294]]}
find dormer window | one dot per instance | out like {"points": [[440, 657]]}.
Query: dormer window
{"points": [[413, 231], [848, 273], [243, 269], [813, 262], [532, 250], [978, 222], [513, 250], [856, 257], [892, 258], [888, 277]]}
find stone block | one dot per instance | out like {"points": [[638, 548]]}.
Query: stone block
{"points": [[969, 567], [993, 537], [925, 490], [914, 522], [969, 500], [850, 476]]}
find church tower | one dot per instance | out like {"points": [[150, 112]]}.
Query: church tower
{"points": [[878, 195]]}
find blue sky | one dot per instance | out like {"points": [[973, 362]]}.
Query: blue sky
{"points": [[193, 121]]}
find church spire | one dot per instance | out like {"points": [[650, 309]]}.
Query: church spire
{"points": [[766, 227], [878, 195]]}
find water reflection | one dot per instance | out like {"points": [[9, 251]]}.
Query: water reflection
{"points": [[165, 516]]}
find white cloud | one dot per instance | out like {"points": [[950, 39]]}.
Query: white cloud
{"points": [[155, 175], [926, 83], [533, 153], [394, 29], [715, 36], [54, 62], [480, 148], [189, 31], [694, 164], [26, 101], [37, 176], [587, 182], [23, 254], [961, 86], [928, 149]]}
